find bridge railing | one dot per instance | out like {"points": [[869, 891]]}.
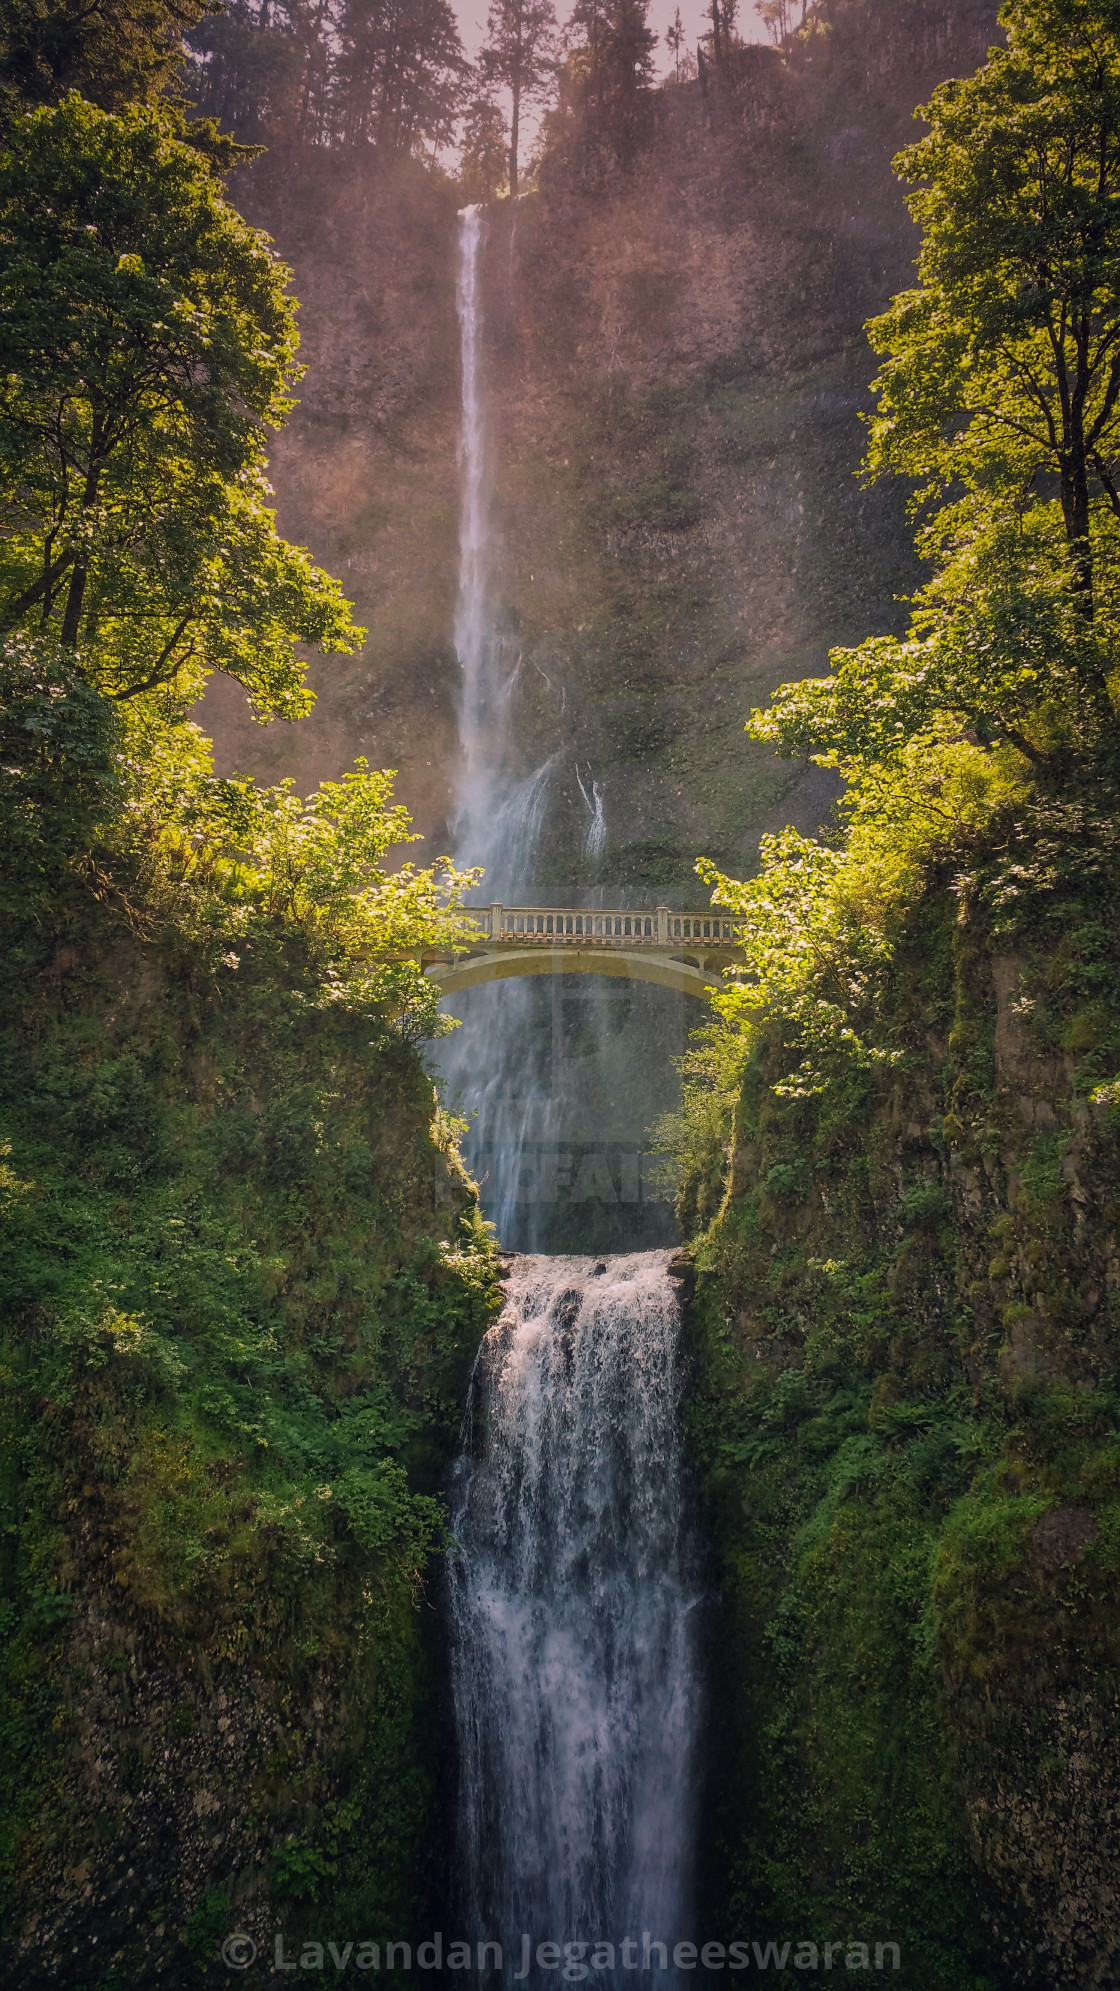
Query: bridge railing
{"points": [[606, 926]]}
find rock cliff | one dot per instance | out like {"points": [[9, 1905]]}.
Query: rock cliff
{"points": [[676, 365]]}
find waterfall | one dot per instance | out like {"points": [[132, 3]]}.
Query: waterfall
{"points": [[573, 1603], [541, 1073], [571, 1583], [471, 615], [498, 1065], [498, 812], [597, 828]]}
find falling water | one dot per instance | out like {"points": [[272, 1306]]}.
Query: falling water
{"points": [[570, 1580], [474, 568], [495, 1064], [532, 1065], [597, 828], [573, 1598], [498, 811]]}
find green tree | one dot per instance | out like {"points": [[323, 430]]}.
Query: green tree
{"points": [[259, 68], [230, 861], [778, 17], [1003, 368], [608, 75], [146, 347], [399, 75], [387, 74], [1000, 395], [114, 52], [519, 56], [60, 773], [484, 158], [722, 37]]}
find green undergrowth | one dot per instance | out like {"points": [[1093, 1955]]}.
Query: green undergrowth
{"points": [[905, 1421], [243, 1276]]}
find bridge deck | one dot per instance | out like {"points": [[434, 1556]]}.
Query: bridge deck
{"points": [[669, 948], [609, 926]]}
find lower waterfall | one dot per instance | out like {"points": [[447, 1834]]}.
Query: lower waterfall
{"points": [[573, 1601]]}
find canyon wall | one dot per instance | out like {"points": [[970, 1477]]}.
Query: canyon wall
{"points": [[904, 1424], [242, 1285], [676, 364]]}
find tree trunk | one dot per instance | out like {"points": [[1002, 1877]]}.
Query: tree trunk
{"points": [[72, 620], [514, 125], [41, 590], [1075, 469], [72, 616], [1075, 514]]}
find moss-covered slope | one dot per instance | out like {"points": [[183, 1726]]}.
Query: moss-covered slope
{"points": [[906, 1420], [242, 1278]]}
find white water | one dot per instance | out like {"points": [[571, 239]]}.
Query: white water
{"points": [[597, 828], [498, 811], [498, 1067], [573, 1600], [540, 1071], [572, 1596]]}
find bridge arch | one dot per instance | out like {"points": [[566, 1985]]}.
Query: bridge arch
{"points": [[668, 972]]}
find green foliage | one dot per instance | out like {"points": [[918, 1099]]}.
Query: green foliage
{"points": [[1042, 1178], [241, 1284], [298, 1872], [877, 1490], [242, 1271], [216, 864], [59, 771], [234, 1328], [998, 396], [518, 57], [840, 1811], [208, 1923], [1013, 327], [313, 862], [903, 1416], [820, 922], [902, 1421], [122, 52], [697, 1136], [484, 153], [350, 76], [606, 98], [993, 720], [146, 346], [229, 1202]]}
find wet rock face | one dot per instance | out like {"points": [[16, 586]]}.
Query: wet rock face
{"points": [[1043, 1792], [172, 1788], [1062, 1536]]}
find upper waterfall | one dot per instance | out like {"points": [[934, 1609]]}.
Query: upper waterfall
{"points": [[473, 632], [545, 1077], [498, 809]]}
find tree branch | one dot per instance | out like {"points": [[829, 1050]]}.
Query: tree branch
{"points": [[1113, 495], [14, 609], [160, 675]]}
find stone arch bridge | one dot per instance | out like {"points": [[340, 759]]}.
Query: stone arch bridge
{"points": [[682, 951]]}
